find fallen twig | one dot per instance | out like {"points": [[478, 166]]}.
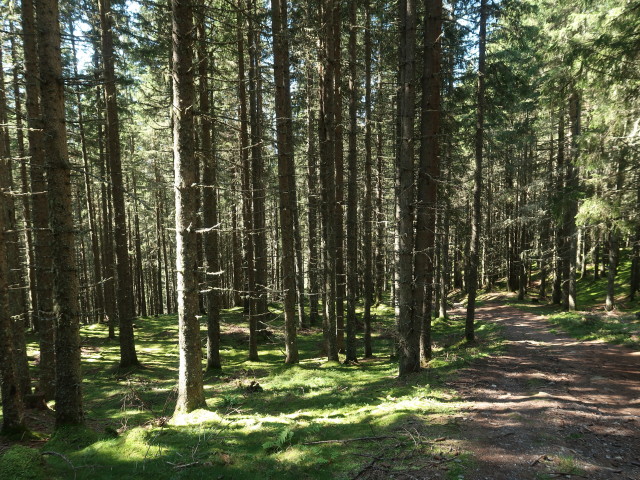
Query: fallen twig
{"points": [[347, 440], [178, 466], [56, 454], [567, 474]]}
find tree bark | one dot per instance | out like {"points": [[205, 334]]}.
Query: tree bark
{"points": [[126, 307], [407, 324], [257, 170], [209, 199], [68, 394], [476, 222], [247, 193], [190, 379], [17, 299], [572, 185], [12, 404], [367, 210], [428, 175], [326, 129], [286, 175], [352, 192]]}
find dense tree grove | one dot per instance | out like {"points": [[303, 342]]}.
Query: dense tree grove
{"points": [[318, 155]]}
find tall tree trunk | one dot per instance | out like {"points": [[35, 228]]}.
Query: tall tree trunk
{"points": [[611, 272], [380, 277], [367, 210], [68, 394], [12, 405], [428, 175], [326, 129], [559, 244], [29, 267], [17, 299], [352, 192], [338, 144], [190, 380], [286, 174], [476, 222], [93, 231], [572, 206], [247, 194], [407, 324], [257, 170], [126, 307], [635, 262], [142, 299], [209, 200], [312, 209]]}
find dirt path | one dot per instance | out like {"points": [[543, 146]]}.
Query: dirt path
{"points": [[551, 406]]}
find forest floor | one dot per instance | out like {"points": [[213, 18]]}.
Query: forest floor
{"points": [[550, 406], [525, 402]]}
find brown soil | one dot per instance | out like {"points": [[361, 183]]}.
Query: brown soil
{"points": [[551, 406]]}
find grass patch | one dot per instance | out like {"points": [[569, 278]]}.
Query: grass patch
{"points": [[300, 423], [621, 330]]}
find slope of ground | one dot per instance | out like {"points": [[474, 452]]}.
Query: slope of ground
{"points": [[551, 406]]}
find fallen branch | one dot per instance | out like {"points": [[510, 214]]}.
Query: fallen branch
{"points": [[567, 474], [178, 466], [348, 440], [56, 454]]}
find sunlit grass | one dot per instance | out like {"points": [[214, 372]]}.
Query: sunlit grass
{"points": [[272, 432]]}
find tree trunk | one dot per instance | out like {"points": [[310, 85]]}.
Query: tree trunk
{"points": [[338, 145], [611, 272], [257, 171], [247, 194], [326, 129], [408, 326], [68, 394], [312, 209], [209, 199], [572, 206], [286, 174], [352, 192], [12, 405], [190, 380], [126, 307], [29, 266], [17, 299], [428, 175], [474, 243], [367, 211]]}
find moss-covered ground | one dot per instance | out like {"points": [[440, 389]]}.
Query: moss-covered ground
{"points": [[313, 420]]}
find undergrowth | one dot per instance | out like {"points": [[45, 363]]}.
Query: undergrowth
{"points": [[311, 420]]}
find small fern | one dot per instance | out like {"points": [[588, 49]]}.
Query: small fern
{"points": [[282, 440]]}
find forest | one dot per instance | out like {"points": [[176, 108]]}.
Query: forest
{"points": [[361, 239]]}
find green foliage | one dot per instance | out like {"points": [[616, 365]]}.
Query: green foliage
{"points": [[245, 434], [624, 330], [282, 440], [22, 463]]}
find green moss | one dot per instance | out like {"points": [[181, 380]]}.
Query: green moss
{"points": [[72, 437], [247, 433], [22, 463]]}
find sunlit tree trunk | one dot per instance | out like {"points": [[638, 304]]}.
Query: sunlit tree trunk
{"points": [[476, 222], [286, 175], [190, 379], [68, 394], [408, 327], [126, 306]]}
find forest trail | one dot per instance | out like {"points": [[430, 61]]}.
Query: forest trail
{"points": [[551, 406]]}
